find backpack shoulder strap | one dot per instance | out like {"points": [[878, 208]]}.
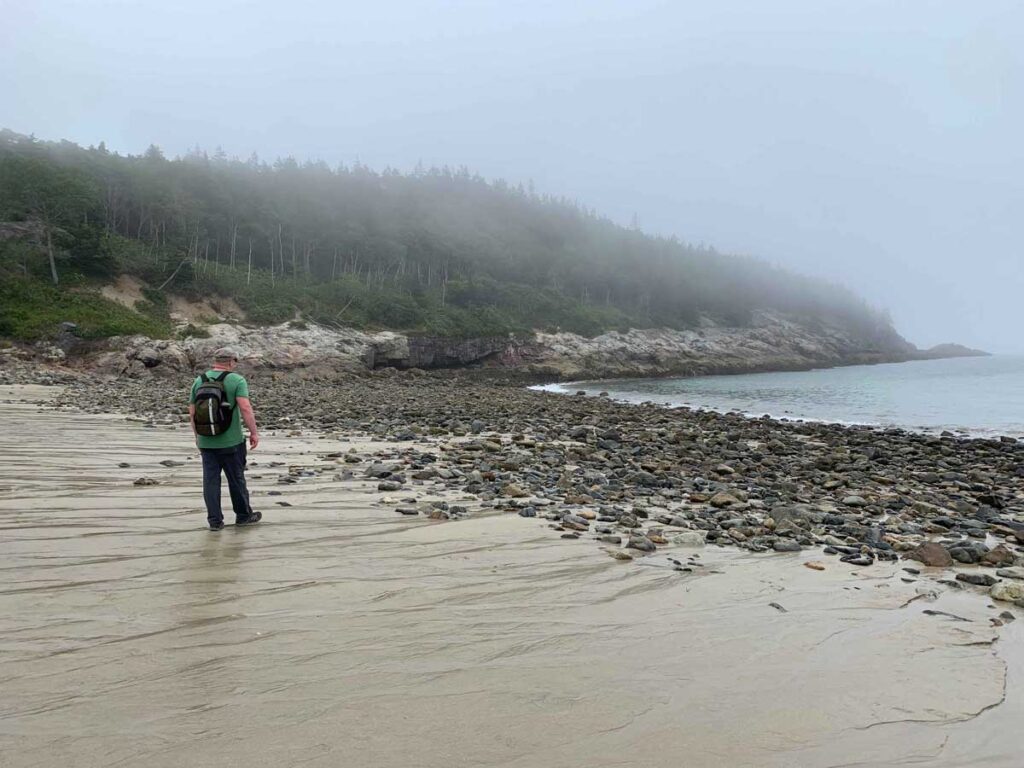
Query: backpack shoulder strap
{"points": [[221, 379], [204, 378]]}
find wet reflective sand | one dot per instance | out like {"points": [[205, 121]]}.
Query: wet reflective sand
{"points": [[341, 633]]}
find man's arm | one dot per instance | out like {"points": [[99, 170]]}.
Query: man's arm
{"points": [[245, 406], [192, 412]]}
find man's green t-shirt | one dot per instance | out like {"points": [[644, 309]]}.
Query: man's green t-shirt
{"points": [[234, 387]]}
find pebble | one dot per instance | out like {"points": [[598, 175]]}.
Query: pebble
{"points": [[931, 554], [1008, 591], [641, 543], [860, 559], [618, 554], [978, 579], [513, 491], [575, 522], [786, 546], [722, 499], [688, 539]]}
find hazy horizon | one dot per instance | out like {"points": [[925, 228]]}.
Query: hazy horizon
{"points": [[870, 145]]}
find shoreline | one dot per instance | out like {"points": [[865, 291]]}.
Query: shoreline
{"points": [[597, 387], [856, 478], [695, 370], [22, 363], [501, 378], [341, 629]]}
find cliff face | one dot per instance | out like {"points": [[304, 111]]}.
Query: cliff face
{"points": [[773, 342], [309, 349], [432, 352]]}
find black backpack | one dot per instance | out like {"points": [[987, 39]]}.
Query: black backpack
{"points": [[213, 414]]}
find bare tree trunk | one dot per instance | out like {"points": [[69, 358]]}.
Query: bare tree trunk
{"points": [[334, 264], [234, 238], [280, 249], [271, 261], [53, 261], [248, 276], [173, 274]]}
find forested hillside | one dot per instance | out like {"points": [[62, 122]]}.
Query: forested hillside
{"points": [[437, 250]]}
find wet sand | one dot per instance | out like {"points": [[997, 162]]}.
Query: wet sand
{"points": [[342, 633]]}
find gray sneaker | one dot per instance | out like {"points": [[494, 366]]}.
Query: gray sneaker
{"points": [[251, 519]]}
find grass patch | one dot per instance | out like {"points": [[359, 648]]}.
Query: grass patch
{"points": [[32, 310]]}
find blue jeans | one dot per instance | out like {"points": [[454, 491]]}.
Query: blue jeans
{"points": [[230, 461]]}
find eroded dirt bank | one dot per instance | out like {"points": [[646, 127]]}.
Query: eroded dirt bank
{"points": [[343, 633]]}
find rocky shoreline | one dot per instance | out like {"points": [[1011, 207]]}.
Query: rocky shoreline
{"points": [[640, 479], [771, 342]]}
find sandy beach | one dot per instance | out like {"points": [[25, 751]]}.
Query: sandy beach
{"points": [[340, 632]]}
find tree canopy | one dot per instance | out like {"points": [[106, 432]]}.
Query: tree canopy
{"points": [[333, 242]]}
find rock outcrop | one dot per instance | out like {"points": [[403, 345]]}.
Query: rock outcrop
{"points": [[434, 352], [271, 347], [773, 342], [286, 347]]}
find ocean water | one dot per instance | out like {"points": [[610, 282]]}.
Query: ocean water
{"points": [[980, 396]]}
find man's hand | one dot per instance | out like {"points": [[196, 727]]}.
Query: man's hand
{"points": [[250, 420]]}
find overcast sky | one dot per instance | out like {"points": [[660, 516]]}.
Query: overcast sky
{"points": [[879, 144]]}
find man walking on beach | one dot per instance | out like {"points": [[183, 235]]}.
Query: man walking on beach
{"points": [[218, 404]]}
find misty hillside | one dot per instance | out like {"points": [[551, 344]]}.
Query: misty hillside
{"points": [[438, 251]]}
